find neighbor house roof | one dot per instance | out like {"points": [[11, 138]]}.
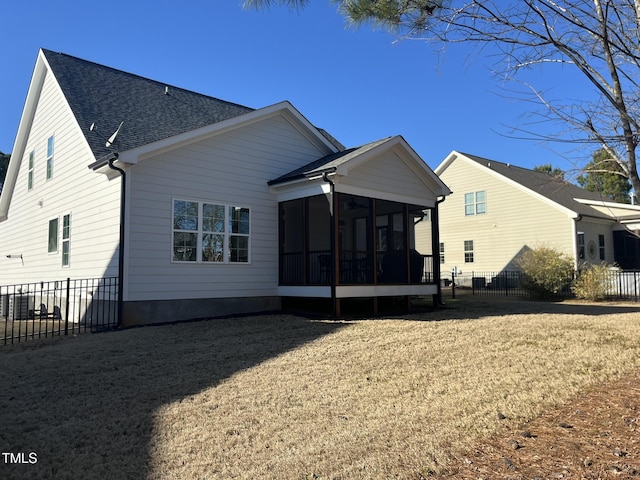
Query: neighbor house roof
{"points": [[554, 188]]}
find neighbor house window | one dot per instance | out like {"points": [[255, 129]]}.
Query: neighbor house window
{"points": [[601, 246], [53, 236], [50, 157], [210, 233], [32, 156], [468, 251], [580, 245], [66, 240], [442, 252], [475, 203]]}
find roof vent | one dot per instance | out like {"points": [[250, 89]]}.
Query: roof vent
{"points": [[166, 90], [489, 164]]}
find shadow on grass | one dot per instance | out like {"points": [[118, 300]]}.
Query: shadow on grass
{"points": [[86, 406]]}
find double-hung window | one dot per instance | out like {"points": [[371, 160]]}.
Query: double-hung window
{"points": [[601, 247], [50, 157], [210, 232], [66, 240], [32, 156], [475, 203], [468, 251], [442, 252]]}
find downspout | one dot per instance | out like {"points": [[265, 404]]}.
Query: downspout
{"points": [[435, 248], [123, 177], [332, 234]]}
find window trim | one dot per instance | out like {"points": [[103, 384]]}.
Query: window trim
{"points": [[56, 243], [50, 156], [30, 169], [66, 240], [441, 252], [227, 233], [471, 205], [469, 256]]}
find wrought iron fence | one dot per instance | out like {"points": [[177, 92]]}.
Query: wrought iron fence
{"points": [[619, 284], [55, 308]]}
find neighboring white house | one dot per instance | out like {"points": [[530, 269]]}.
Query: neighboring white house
{"points": [[498, 210], [221, 208]]}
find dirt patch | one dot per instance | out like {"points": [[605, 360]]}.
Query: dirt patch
{"points": [[595, 436]]}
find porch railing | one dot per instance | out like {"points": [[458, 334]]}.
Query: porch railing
{"points": [[356, 268], [55, 308]]}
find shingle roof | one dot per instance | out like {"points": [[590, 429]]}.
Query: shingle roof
{"points": [[106, 96], [554, 188], [328, 162]]}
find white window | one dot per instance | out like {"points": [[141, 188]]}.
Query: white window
{"points": [[32, 156], [468, 251], [581, 245], [210, 233], [442, 252], [53, 236], [50, 157], [66, 240], [475, 203]]}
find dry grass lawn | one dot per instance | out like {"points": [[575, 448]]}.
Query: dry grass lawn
{"points": [[286, 397]]}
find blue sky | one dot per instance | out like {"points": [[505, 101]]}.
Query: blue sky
{"points": [[359, 84]]}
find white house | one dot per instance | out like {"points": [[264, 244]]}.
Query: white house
{"points": [[203, 207]]}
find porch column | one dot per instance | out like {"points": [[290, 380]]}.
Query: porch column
{"points": [[435, 249]]}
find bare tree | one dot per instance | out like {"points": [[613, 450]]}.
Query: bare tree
{"points": [[600, 39]]}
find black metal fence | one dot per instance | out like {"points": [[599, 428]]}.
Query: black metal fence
{"points": [[55, 308], [619, 284]]}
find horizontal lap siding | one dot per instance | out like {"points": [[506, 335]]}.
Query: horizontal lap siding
{"points": [[388, 173], [90, 198], [514, 220], [231, 168]]}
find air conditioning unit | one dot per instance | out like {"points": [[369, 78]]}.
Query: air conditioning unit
{"points": [[19, 306]]}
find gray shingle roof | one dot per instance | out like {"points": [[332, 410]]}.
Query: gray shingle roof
{"points": [[554, 188], [106, 96]]}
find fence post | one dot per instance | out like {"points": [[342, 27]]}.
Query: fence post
{"points": [[66, 308]]}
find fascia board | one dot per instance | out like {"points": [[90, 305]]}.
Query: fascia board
{"points": [[567, 211], [284, 109], [602, 203], [24, 127]]}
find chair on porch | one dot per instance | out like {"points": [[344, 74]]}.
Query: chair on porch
{"points": [[325, 268]]}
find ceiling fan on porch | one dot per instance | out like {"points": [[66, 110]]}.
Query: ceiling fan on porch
{"points": [[354, 205]]}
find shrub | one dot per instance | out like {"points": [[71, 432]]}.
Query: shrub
{"points": [[591, 283], [547, 271]]}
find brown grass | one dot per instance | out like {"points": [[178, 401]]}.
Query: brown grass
{"points": [[287, 397]]}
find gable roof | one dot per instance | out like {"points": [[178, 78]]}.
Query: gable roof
{"points": [[327, 163], [552, 188], [150, 110]]}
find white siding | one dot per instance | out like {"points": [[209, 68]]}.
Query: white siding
{"points": [[514, 220], [90, 198], [232, 168], [389, 174]]}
